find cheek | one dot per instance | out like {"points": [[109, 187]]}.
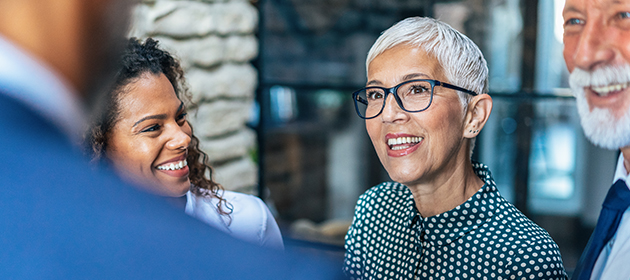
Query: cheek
{"points": [[144, 154], [133, 157], [187, 129], [374, 130], [567, 53], [445, 123], [624, 45]]}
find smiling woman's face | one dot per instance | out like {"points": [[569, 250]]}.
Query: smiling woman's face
{"points": [[433, 140], [149, 143]]}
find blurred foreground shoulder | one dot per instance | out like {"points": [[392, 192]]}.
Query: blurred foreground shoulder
{"points": [[62, 220]]}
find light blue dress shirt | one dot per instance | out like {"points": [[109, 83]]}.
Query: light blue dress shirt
{"points": [[250, 219], [614, 261], [50, 95]]}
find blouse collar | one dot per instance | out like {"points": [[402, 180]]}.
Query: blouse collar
{"points": [[444, 228]]}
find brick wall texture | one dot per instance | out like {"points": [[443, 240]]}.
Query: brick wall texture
{"points": [[215, 42]]}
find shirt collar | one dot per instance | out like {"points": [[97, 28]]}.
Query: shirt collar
{"points": [[620, 172], [444, 228], [412, 214], [31, 81]]}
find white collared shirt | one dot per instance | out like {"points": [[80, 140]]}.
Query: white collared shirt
{"points": [[250, 219], [614, 260], [31, 81]]}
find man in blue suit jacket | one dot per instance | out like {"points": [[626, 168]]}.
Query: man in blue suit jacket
{"points": [[60, 218]]}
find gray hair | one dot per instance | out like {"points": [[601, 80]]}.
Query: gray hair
{"points": [[460, 58]]}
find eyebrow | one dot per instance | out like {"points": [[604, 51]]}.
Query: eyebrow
{"points": [[570, 9], [405, 78], [414, 75], [158, 117]]}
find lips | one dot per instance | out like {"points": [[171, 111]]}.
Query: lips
{"points": [[173, 166], [604, 91], [176, 167], [612, 97], [401, 144]]}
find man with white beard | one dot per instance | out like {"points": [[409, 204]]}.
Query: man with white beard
{"points": [[597, 53]]}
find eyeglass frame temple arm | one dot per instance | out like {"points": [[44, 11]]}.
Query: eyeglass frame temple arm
{"points": [[358, 98], [438, 83]]}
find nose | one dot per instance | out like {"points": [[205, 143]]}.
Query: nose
{"points": [[180, 139], [595, 46], [392, 112]]}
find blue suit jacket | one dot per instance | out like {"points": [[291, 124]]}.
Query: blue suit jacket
{"points": [[60, 218]]}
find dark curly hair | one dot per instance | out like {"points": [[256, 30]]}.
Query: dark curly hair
{"points": [[140, 58]]}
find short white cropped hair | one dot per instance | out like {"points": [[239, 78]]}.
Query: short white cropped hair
{"points": [[461, 60]]}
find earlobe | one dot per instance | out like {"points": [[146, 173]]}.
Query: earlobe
{"points": [[477, 115]]}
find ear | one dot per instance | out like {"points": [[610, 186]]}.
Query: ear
{"points": [[477, 115]]}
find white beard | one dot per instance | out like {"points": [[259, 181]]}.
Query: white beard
{"points": [[600, 125]]}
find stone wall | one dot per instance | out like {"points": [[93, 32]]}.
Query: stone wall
{"points": [[215, 42]]}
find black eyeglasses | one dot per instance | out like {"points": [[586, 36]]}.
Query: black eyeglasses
{"points": [[412, 96]]}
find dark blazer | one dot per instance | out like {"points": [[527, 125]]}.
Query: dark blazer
{"points": [[60, 218]]}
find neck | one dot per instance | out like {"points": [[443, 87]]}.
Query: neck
{"points": [[456, 184], [626, 158]]}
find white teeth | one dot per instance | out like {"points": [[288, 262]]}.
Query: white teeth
{"points": [[605, 90], [402, 140], [173, 166]]}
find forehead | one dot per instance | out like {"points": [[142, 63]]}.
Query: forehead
{"points": [[148, 93], [402, 60], [586, 6]]}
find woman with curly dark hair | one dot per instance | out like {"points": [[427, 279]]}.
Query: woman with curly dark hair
{"points": [[145, 136]]}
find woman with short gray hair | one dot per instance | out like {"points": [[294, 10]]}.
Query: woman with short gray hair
{"points": [[425, 102]]}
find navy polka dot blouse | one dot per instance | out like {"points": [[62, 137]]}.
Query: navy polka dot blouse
{"points": [[486, 237]]}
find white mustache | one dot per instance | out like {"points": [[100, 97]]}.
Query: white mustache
{"points": [[603, 76]]}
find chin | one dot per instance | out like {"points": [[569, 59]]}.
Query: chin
{"points": [[182, 189], [171, 189], [402, 177]]}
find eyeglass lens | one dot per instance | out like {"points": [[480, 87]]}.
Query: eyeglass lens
{"points": [[415, 96]]}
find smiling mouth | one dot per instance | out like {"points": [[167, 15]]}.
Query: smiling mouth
{"points": [[173, 166], [402, 143], [606, 90]]}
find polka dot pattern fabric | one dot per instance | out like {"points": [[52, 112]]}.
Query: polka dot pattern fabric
{"points": [[486, 237]]}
